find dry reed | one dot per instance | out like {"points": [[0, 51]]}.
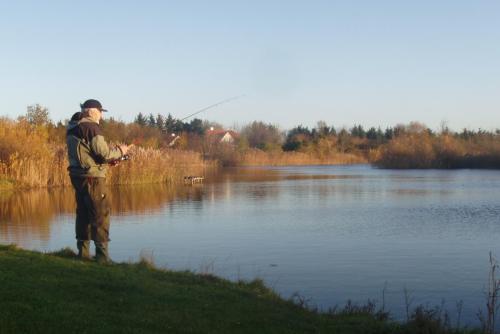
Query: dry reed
{"points": [[29, 159], [255, 157], [145, 166]]}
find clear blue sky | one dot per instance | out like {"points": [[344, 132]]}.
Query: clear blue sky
{"points": [[297, 62]]}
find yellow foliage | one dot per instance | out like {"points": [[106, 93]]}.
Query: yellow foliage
{"points": [[418, 149], [30, 159], [256, 157]]}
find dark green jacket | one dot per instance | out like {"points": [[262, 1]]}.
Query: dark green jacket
{"points": [[88, 152]]}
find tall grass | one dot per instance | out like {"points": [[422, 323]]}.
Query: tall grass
{"points": [[145, 166], [149, 165], [254, 157], [231, 156], [29, 158]]}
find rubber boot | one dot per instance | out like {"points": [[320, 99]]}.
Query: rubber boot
{"points": [[101, 252], [83, 247]]}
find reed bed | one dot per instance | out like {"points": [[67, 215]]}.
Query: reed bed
{"points": [[254, 157], [149, 165], [31, 157], [145, 166], [36, 171]]}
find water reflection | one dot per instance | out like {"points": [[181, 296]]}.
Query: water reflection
{"points": [[28, 215]]}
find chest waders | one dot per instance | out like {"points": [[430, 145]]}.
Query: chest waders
{"points": [[92, 216]]}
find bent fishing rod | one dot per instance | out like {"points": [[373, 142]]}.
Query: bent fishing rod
{"points": [[213, 106], [127, 157]]}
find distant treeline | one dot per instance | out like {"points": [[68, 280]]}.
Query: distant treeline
{"points": [[402, 146], [32, 147]]}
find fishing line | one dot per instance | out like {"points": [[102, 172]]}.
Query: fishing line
{"points": [[213, 106]]}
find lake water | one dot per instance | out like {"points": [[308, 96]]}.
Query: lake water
{"points": [[329, 233]]}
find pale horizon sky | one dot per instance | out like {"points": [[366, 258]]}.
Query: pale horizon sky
{"points": [[375, 63]]}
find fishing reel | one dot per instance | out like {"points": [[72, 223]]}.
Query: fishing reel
{"points": [[115, 162]]}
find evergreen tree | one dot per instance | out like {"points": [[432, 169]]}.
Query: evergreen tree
{"points": [[178, 126], [140, 119], [298, 137], [151, 121], [160, 122], [358, 131], [375, 134], [371, 133], [169, 123], [389, 133], [196, 126]]}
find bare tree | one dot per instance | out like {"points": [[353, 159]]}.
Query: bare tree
{"points": [[262, 135], [37, 115]]}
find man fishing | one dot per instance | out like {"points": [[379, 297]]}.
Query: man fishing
{"points": [[89, 156]]}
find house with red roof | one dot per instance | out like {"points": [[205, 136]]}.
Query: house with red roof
{"points": [[222, 136]]}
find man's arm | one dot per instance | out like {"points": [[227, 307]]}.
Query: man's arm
{"points": [[102, 150]]}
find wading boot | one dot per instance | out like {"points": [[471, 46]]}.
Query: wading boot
{"points": [[101, 252], [83, 247]]}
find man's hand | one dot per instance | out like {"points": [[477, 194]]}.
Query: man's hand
{"points": [[125, 148]]}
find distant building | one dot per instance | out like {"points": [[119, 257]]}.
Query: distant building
{"points": [[222, 136]]}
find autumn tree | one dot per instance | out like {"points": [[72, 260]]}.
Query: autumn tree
{"points": [[262, 136], [323, 130], [37, 115]]}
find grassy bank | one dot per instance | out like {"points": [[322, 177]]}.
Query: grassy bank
{"points": [[52, 294], [59, 294]]}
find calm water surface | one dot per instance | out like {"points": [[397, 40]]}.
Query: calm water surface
{"points": [[329, 233]]}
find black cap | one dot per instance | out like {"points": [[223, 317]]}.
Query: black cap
{"points": [[92, 104]]}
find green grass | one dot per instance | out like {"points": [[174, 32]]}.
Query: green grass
{"points": [[57, 293], [42, 294]]}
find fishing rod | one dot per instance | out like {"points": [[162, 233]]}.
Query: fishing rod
{"points": [[213, 106], [176, 137]]}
